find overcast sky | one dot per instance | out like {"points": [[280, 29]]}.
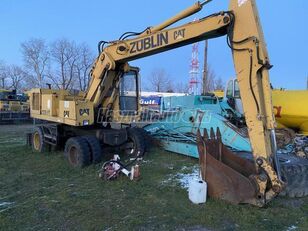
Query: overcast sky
{"points": [[285, 24]]}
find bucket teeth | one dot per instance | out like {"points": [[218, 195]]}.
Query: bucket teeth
{"points": [[218, 134], [205, 134], [212, 134], [229, 177]]}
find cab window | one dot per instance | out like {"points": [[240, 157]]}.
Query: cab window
{"points": [[230, 89], [129, 93], [236, 90]]}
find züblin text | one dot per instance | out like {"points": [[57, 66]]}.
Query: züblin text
{"points": [[149, 42]]}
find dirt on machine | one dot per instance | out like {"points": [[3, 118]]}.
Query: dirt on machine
{"points": [[82, 124]]}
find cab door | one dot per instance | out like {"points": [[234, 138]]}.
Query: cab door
{"points": [[233, 95], [129, 93]]}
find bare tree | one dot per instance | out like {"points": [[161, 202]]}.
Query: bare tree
{"points": [[3, 75], [36, 59], [159, 81], [181, 87], [16, 76], [209, 81], [64, 54], [169, 86], [83, 65], [219, 84]]}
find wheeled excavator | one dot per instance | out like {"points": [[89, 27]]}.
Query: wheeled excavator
{"points": [[104, 115]]}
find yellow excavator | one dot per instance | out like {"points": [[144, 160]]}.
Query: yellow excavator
{"points": [[105, 114]]}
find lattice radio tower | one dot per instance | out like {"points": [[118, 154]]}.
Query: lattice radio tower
{"points": [[194, 73]]}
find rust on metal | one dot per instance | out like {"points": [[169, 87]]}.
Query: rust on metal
{"points": [[229, 177]]}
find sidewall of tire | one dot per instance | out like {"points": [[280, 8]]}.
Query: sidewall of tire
{"points": [[95, 149], [83, 151], [137, 137], [42, 147]]}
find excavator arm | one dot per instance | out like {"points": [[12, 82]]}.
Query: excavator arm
{"points": [[244, 34], [252, 66]]}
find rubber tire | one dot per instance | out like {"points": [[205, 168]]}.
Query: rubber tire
{"points": [[147, 139], [295, 173], [82, 151], [95, 149], [43, 147], [136, 136]]}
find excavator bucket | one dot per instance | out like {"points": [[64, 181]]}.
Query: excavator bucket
{"points": [[228, 176]]}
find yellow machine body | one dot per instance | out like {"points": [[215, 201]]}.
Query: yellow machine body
{"points": [[60, 106], [291, 109]]}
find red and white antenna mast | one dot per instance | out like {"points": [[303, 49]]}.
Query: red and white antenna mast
{"points": [[194, 73]]}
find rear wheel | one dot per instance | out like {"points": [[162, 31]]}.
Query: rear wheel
{"points": [[77, 151], [38, 144], [135, 146], [95, 149]]}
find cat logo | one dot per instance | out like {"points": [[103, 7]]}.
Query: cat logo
{"points": [[179, 34], [84, 112], [66, 114]]}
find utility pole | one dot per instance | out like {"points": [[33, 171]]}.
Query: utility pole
{"points": [[205, 69]]}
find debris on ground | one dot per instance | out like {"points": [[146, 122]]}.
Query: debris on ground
{"points": [[292, 227], [112, 169], [298, 147], [284, 136], [183, 177], [6, 205]]}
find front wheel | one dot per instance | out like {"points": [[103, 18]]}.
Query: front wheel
{"points": [[135, 146], [38, 144]]}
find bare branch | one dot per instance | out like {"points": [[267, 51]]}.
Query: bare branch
{"points": [[219, 84], [180, 87], [16, 76], [210, 80], [83, 65], [36, 59], [65, 55], [159, 81], [3, 75]]}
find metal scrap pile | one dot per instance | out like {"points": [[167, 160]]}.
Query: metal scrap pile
{"points": [[298, 146]]}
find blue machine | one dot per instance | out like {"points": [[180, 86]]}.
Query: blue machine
{"points": [[182, 116]]}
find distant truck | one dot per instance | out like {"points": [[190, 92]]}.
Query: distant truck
{"points": [[290, 106], [13, 106]]}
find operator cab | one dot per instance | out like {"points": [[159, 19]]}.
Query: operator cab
{"points": [[233, 95], [129, 92]]}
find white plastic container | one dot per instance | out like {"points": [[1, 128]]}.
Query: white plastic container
{"points": [[197, 191]]}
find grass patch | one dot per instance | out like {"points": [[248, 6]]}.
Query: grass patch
{"points": [[41, 192]]}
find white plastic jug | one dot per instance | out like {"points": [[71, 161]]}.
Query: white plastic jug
{"points": [[197, 191]]}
